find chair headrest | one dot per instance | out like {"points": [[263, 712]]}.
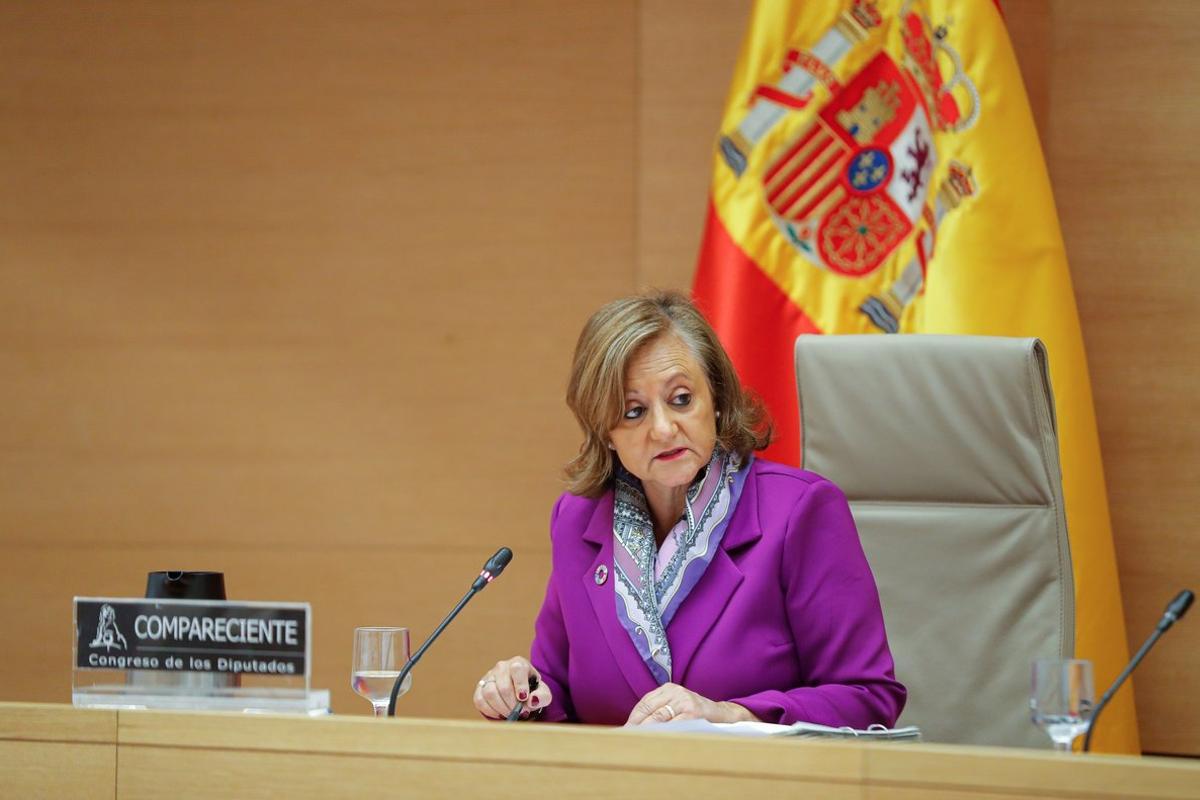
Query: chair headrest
{"points": [[915, 417]]}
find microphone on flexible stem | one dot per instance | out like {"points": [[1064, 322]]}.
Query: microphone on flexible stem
{"points": [[1175, 611], [491, 570]]}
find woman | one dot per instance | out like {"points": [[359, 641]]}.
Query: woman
{"points": [[689, 578]]}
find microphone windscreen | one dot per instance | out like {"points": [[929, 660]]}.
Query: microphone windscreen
{"points": [[1180, 605], [498, 562], [494, 566]]}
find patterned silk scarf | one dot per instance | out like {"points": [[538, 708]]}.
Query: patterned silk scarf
{"points": [[646, 603]]}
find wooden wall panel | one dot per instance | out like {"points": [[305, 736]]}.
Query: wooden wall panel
{"points": [[1122, 131], [416, 588], [289, 290], [686, 55]]}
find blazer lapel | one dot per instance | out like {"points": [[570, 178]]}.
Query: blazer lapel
{"points": [[604, 602], [707, 601]]}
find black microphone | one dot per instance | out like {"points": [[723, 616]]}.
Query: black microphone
{"points": [[1175, 611], [491, 570]]}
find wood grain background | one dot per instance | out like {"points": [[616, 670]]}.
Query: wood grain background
{"points": [[289, 290]]}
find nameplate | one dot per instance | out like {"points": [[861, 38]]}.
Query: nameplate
{"points": [[192, 636]]}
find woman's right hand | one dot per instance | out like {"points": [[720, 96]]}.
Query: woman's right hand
{"points": [[507, 683]]}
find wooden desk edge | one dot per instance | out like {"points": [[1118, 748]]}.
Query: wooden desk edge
{"points": [[526, 744], [57, 722], [921, 767]]}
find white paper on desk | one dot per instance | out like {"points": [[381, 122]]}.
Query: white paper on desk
{"points": [[804, 730], [720, 728], [874, 733]]}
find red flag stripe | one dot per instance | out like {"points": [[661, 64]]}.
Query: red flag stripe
{"points": [[758, 324], [822, 178], [782, 98], [790, 154], [803, 171]]}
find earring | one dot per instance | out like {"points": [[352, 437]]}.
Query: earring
{"points": [[612, 446], [718, 415]]}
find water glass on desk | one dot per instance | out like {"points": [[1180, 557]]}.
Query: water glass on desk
{"points": [[379, 655], [1062, 698]]}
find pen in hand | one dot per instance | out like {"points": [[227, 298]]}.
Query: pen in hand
{"points": [[515, 714]]}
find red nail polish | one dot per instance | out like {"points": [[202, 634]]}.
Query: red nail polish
{"points": [[534, 702], [522, 696]]}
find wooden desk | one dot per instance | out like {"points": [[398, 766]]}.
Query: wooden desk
{"points": [[59, 751]]}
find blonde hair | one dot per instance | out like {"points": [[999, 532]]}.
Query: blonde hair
{"points": [[596, 391]]}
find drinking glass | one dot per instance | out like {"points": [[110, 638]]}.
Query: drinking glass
{"points": [[1062, 698], [379, 655]]}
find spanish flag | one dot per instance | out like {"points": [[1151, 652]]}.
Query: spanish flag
{"points": [[878, 171]]}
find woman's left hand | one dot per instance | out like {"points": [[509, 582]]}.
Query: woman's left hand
{"points": [[672, 701]]}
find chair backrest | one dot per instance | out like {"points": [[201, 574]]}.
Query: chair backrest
{"points": [[947, 449]]}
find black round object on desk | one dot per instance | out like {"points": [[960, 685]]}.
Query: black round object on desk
{"points": [[181, 585]]}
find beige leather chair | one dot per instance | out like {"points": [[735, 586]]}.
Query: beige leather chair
{"points": [[946, 447]]}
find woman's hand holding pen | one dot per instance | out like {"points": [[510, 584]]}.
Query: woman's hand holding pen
{"points": [[507, 684]]}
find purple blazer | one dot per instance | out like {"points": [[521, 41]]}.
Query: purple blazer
{"points": [[785, 621]]}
